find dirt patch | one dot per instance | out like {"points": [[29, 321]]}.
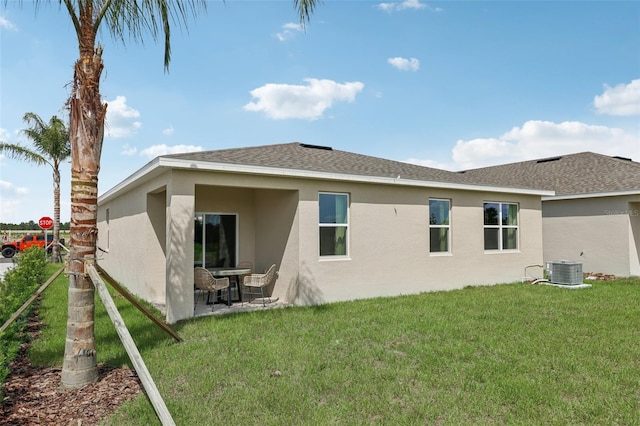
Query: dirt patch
{"points": [[33, 395]]}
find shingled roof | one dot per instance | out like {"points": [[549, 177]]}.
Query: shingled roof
{"points": [[299, 156], [573, 174], [297, 159]]}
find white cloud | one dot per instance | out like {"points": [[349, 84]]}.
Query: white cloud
{"points": [[12, 188], [121, 118], [538, 139], [404, 64], [9, 210], [619, 100], [4, 135], [12, 197], [157, 150], [406, 4], [289, 30], [7, 25], [283, 101], [168, 131], [128, 151]]}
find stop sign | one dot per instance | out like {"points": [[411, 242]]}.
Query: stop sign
{"points": [[45, 222]]}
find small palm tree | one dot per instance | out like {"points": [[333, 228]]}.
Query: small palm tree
{"points": [[52, 147]]}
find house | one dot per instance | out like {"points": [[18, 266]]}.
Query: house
{"points": [[338, 225], [594, 216]]}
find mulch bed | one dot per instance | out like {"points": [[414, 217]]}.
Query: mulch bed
{"points": [[34, 396]]}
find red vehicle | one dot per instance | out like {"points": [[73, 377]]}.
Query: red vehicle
{"points": [[10, 248]]}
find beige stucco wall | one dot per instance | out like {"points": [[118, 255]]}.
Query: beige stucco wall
{"points": [[634, 238], [602, 233], [277, 238], [389, 244], [135, 241], [179, 266], [278, 223]]}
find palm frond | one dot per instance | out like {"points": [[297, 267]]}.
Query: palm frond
{"points": [[50, 140], [22, 153], [136, 18], [305, 9]]}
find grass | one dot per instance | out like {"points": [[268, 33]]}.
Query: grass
{"points": [[508, 354]]}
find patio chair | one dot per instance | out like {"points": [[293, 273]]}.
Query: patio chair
{"points": [[207, 282], [244, 264], [254, 282]]}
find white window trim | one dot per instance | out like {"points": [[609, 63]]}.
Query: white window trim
{"points": [[500, 227], [449, 251], [335, 225]]}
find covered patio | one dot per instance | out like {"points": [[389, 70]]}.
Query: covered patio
{"points": [[229, 225]]}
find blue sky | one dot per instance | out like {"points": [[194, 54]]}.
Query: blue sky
{"points": [[450, 84]]}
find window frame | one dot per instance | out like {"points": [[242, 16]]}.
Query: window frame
{"points": [[440, 226], [501, 227], [344, 225]]}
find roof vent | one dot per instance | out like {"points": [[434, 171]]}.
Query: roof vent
{"points": [[548, 160], [622, 158], [306, 145]]}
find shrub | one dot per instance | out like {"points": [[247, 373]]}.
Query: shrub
{"points": [[18, 285]]}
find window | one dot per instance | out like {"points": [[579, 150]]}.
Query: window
{"points": [[439, 226], [500, 226], [214, 240], [334, 223]]}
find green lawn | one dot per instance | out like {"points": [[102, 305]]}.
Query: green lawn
{"points": [[506, 354]]}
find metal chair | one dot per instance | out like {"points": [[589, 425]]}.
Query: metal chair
{"points": [[254, 282], [207, 282]]}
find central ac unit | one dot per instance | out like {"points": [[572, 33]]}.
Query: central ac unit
{"points": [[565, 272]]}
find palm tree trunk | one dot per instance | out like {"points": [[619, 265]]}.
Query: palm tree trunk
{"points": [[86, 132], [55, 247]]}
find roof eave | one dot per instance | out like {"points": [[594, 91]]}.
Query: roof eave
{"points": [[298, 173], [591, 195], [176, 163]]}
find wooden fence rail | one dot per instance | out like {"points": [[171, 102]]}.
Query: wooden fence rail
{"points": [[113, 283], [29, 301], [130, 346]]}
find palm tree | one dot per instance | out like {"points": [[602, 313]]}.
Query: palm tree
{"points": [[132, 18], [51, 143]]}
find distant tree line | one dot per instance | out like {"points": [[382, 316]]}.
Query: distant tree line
{"points": [[29, 226]]}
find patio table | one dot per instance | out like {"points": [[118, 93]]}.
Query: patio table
{"points": [[228, 272]]}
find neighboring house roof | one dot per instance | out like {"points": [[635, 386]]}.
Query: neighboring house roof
{"points": [[582, 174], [302, 160]]}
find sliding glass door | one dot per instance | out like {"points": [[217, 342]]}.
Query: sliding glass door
{"points": [[215, 240]]}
